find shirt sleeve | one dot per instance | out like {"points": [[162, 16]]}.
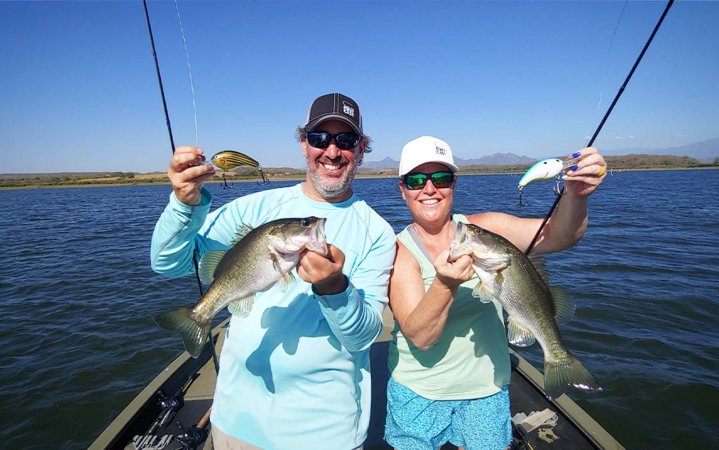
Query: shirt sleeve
{"points": [[355, 315], [175, 237]]}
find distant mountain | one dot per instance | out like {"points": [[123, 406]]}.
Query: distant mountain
{"points": [[704, 151], [490, 160], [387, 163]]}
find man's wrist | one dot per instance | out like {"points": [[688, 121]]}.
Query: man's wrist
{"points": [[332, 285]]}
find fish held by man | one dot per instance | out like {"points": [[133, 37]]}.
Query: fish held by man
{"points": [[259, 259], [506, 274]]}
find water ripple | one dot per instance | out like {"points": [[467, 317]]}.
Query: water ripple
{"points": [[77, 340]]}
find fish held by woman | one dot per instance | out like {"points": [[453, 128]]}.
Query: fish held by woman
{"points": [[259, 259], [533, 308]]}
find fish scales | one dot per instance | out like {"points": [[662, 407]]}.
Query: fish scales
{"points": [[260, 259], [505, 273]]}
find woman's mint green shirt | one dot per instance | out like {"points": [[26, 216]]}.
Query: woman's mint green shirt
{"points": [[471, 357]]}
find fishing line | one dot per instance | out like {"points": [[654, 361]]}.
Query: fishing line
{"points": [[189, 69], [609, 52], [172, 143], [604, 119]]}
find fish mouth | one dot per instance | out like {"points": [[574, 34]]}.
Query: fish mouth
{"points": [[457, 250], [461, 243], [318, 239]]}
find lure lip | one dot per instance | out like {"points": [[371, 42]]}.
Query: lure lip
{"points": [[544, 169]]}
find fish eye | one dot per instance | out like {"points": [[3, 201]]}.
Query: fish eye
{"points": [[306, 222]]}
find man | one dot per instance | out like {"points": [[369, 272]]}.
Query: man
{"points": [[294, 373]]}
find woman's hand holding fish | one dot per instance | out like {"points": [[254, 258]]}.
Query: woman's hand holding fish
{"points": [[324, 272], [453, 273], [187, 173], [586, 174]]}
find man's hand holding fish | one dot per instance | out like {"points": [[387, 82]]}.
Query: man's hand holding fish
{"points": [[323, 271]]}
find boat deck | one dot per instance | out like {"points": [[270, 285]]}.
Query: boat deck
{"points": [[195, 380]]}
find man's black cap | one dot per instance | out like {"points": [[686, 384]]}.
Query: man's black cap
{"points": [[334, 106]]}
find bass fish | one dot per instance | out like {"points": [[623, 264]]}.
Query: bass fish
{"points": [[533, 308], [258, 260]]}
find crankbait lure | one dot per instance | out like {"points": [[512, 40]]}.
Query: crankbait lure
{"points": [[230, 159], [545, 169]]}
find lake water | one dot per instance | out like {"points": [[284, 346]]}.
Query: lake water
{"points": [[77, 296]]}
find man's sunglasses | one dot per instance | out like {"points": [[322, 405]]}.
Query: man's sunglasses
{"points": [[322, 139], [442, 179]]}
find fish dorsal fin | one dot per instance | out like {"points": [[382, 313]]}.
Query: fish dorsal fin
{"points": [[208, 265], [242, 307], [210, 260], [519, 335], [241, 232], [563, 305]]}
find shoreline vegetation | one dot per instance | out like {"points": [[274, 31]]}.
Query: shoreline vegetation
{"points": [[615, 164]]}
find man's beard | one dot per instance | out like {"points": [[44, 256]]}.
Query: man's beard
{"points": [[330, 188]]}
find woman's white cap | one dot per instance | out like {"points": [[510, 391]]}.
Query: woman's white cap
{"points": [[425, 149]]}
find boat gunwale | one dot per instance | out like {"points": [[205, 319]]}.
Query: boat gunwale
{"points": [[124, 420], [587, 425], [568, 407]]}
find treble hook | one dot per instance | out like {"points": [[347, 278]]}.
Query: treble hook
{"points": [[521, 203], [263, 175], [225, 186]]}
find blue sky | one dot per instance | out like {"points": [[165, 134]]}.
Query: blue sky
{"points": [[78, 90]]}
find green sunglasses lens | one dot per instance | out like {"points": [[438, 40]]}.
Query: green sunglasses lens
{"points": [[439, 179], [442, 179], [415, 180]]}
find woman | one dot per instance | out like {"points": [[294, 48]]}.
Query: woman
{"points": [[449, 358]]}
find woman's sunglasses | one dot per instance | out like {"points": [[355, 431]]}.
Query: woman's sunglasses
{"points": [[322, 139], [442, 179]]}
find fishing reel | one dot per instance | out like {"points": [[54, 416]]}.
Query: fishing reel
{"points": [[191, 436], [170, 406]]}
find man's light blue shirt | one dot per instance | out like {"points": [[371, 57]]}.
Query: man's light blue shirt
{"points": [[295, 373]]}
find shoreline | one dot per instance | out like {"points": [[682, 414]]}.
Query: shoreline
{"points": [[150, 179]]}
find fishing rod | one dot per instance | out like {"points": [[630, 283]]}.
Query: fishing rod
{"points": [[159, 77], [604, 119], [172, 143]]}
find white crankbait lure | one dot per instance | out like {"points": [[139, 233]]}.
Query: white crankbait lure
{"points": [[542, 170]]}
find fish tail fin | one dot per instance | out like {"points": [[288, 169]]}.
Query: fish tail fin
{"points": [[195, 333], [568, 372]]}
